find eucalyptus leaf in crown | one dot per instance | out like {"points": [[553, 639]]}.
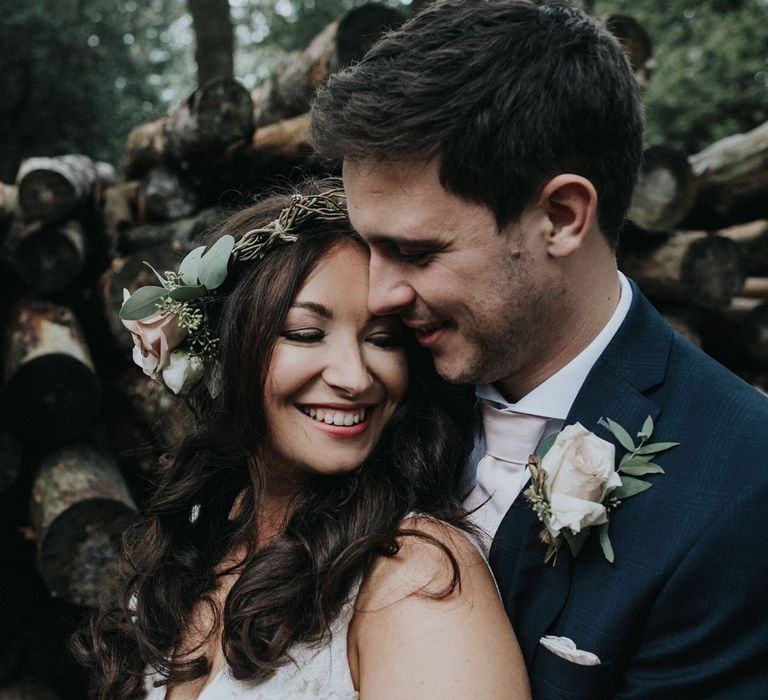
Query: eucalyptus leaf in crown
{"points": [[173, 340]]}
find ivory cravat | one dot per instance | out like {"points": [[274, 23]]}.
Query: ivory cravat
{"points": [[501, 474]]}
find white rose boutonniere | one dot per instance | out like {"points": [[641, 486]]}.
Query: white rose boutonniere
{"points": [[575, 483]]}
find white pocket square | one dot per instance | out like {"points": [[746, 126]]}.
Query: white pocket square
{"points": [[566, 649]]}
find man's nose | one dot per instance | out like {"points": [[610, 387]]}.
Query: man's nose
{"points": [[388, 291], [347, 370]]}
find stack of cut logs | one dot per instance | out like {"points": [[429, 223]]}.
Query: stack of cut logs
{"points": [[81, 427]]}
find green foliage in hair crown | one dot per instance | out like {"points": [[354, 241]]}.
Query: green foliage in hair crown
{"points": [[173, 341]]}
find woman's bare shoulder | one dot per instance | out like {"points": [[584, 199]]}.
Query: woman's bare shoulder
{"points": [[424, 564], [429, 623]]}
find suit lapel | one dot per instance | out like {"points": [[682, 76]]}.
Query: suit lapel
{"points": [[534, 593]]}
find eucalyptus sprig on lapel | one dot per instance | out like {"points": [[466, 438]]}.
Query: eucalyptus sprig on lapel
{"points": [[576, 484]]}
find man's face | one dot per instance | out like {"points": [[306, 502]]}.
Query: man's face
{"points": [[474, 295]]}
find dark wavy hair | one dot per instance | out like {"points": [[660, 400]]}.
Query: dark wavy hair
{"points": [[505, 93], [290, 590]]}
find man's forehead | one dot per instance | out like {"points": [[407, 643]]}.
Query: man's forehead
{"points": [[387, 177]]}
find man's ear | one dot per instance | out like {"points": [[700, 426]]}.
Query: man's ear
{"points": [[570, 203]]}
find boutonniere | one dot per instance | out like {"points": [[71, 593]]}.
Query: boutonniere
{"points": [[575, 483]]}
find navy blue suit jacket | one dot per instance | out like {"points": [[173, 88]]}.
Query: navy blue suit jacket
{"points": [[683, 611]]}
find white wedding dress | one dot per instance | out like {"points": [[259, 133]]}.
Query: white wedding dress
{"points": [[317, 672]]}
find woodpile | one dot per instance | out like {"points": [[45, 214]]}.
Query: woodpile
{"points": [[81, 428]]}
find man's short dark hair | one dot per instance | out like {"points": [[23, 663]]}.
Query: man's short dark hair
{"points": [[506, 93]]}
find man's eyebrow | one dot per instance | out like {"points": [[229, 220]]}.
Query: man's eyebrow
{"points": [[314, 307]]}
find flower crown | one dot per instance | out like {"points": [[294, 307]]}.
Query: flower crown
{"points": [[173, 342]]}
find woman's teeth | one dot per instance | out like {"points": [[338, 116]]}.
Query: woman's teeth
{"points": [[335, 417]]}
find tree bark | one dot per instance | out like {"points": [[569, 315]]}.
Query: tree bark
{"points": [[752, 239], [164, 416], [215, 118], [164, 196], [732, 177], [120, 211], [755, 288], [53, 189], [9, 201], [689, 267], [79, 508], [665, 192], [181, 234], [52, 393], [144, 148], [214, 39], [289, 91], [48, 258]]}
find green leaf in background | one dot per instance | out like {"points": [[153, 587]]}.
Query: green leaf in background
{"points": [[640, 470], [605, 542], [142, 303], [621, 435], [188, 293], [212, 268], [546, 444], [629, 487], [656, 447], [188, 266]]}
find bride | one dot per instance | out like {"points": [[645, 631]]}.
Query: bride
{"points": [[306, 541]]}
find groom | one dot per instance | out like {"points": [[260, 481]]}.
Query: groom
{"points": [[490, 150]]}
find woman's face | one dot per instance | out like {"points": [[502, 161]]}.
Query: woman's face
{"points": [[337, 373]]}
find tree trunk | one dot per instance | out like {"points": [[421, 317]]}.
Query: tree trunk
{"points": [[79, 508], [689, 267], [212, 120], [214, 39], [755, 288], [144, 148], [53, 189], [166, 418], [165, 196], [275, 149], [9, 201], [732, 177], [52, 393], [289, 91], [665, 191], [120, 212], [181, 234], [752, 238], [48, 258]]}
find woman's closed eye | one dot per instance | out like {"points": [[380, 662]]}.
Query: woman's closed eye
{"points": [[386, 339], [304, 335]]}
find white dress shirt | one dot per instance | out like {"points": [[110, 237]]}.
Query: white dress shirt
{"points": [[551, 400]]}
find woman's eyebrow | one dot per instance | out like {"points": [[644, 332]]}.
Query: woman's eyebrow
{"points": [[314, 307]]}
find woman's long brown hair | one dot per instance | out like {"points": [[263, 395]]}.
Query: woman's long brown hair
{"points": [[290, 590]]}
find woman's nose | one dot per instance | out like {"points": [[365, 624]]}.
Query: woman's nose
{"points": [[347, 370]]}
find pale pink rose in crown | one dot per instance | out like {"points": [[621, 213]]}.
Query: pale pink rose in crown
{"points": [[154, 338], [581, 471]]}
